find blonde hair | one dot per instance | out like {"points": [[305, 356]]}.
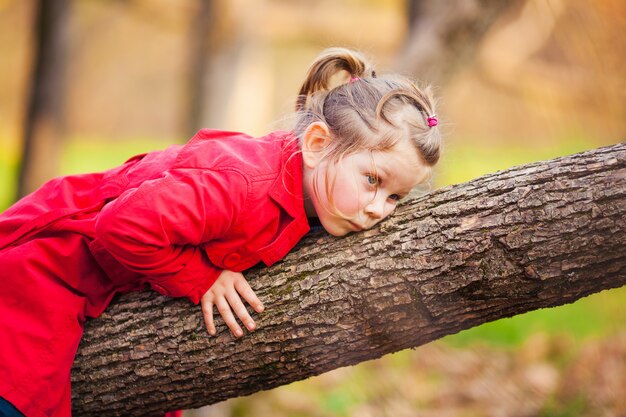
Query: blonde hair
{"points": [[364, 111]]}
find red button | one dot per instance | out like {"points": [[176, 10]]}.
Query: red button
{"points": [[232, 260]]}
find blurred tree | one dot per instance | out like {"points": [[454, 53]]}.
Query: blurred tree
{"points": [[444, 35], [199, 43], [533, 236], [43, 127]]}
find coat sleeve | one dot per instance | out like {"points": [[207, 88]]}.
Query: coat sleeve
{"points": [[157, 228]]}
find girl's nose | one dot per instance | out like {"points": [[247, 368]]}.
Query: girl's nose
{"points": [[375, 208]]}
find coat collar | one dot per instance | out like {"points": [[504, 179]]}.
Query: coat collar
{"points": [[287, 192], [287, 188]]}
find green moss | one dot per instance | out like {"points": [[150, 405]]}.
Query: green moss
{"points": [[280, 291], [267, 368]]}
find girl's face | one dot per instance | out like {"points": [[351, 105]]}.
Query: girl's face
{"points": [[367, 187]]}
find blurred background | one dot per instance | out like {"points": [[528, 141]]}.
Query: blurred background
{"points": [[85, 84]]}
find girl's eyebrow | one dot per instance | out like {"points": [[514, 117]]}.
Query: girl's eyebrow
{"points": [[383, 170], [403, 192]]}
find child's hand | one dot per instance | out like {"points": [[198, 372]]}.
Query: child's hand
{"points": [[225, 294]]}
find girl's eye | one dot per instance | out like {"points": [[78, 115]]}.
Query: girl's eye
{"points": [[371, 179], [394, 197]]}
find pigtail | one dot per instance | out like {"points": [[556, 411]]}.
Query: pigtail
{"points": [[421, 99], [426, 136], [324, 74]]}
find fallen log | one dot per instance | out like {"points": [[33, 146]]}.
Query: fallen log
{"points": [[534, 236]]}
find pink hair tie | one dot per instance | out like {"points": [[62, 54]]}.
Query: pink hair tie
{"points": [[432, 120], [353, 79]]}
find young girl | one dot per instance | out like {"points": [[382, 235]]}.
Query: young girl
{"points": [[188, 220]]}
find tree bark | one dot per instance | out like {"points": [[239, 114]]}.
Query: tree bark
{"points": [[538, 235]]}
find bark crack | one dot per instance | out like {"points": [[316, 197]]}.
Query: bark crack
{"points": [[527, 271]]}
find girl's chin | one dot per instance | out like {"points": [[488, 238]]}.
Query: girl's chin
{"points": [[336, 229]]}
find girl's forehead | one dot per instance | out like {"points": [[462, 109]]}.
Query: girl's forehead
{"points": [[403, 164], [402, 156]]}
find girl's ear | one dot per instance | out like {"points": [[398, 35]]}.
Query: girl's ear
{"points": [[316, 139]]}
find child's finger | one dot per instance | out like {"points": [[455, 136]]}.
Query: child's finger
{"points": [[227, 315], [248, 294], [207, 312], [240, 310]]}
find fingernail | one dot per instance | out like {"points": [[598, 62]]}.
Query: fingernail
{"points": [[260, 308], [251, 325], [239, 333]]}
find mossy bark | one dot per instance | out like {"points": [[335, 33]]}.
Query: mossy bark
{"points": [[534, 236]]}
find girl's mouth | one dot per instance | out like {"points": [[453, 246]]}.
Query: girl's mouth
{"points": [[355, 226]]}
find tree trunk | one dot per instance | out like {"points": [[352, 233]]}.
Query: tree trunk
{"points": [[43, 127], [198, 42], [443, 36], [538, 235]]}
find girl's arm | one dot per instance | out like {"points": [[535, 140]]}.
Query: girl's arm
{"points": [[156, 229]]}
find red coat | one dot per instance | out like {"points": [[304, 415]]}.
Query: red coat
{"points": [[173, 219]]}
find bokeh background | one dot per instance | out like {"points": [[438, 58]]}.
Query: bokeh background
{"points": [[542, 78]]}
